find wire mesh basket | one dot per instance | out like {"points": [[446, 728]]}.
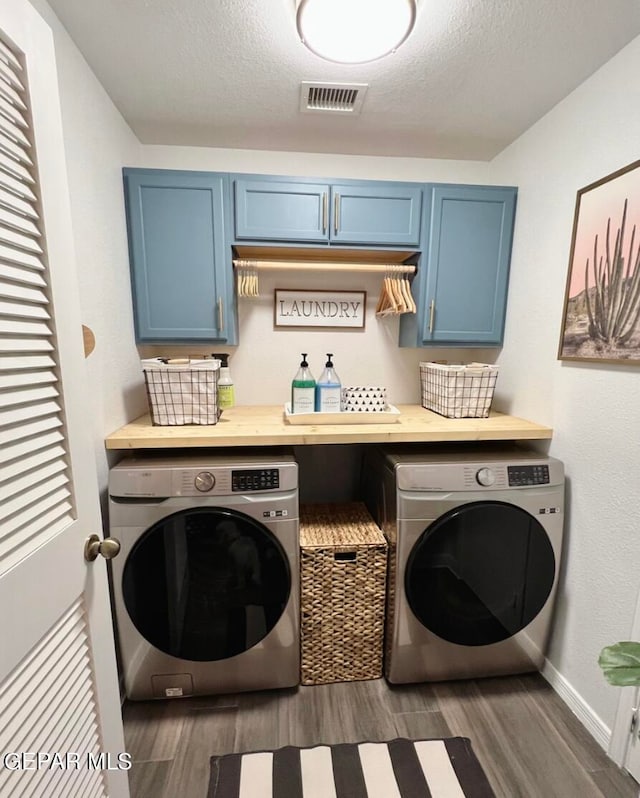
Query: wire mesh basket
{"points": [[185, 393], [343, 567], [458, 391]]}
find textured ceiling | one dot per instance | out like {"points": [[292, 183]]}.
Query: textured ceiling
{"points": [[471, 78]]}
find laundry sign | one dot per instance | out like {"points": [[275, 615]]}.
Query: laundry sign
{"points": [[308, 308]]}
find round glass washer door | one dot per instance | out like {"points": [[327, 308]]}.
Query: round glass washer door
{"points": [[480, 573], [206, 584]]}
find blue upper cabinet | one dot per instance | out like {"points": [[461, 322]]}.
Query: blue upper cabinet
{"points": [[461, 287], [370, 213], [281, 211], [384, 214], [180, 255]]}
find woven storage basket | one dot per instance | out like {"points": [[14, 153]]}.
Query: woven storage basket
{"points": [[181, 394], [458, 391], [342, 597]]}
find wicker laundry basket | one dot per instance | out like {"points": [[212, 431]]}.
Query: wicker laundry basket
{"points": [[342, 597]]}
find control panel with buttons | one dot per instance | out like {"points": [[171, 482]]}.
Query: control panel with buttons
{"points": [[528, 475], [255, 479]]}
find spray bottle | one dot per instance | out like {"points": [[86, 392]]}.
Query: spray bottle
{"points": [[303, 389], [226, 388], [328, 389]]}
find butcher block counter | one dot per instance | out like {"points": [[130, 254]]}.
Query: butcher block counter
{"points": [[266, 426]]}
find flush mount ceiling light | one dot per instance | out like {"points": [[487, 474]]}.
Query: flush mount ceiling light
{"points": [[354, 31]]}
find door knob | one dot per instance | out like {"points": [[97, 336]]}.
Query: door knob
{"points": [[94, 545]]}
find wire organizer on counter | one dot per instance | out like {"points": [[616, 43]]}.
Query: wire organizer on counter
{"points": [[182, 392], [458, 391], [343, 562]]}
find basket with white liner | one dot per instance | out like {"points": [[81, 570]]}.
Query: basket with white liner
{"points": [[458, 391], [182, 392]]}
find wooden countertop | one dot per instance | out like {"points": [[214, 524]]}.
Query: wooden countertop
{"points": [[265, 426]]}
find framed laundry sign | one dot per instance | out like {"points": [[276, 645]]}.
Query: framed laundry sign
{"points": [[321, 309]]}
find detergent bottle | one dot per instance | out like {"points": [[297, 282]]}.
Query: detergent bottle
{"points": [[328, 389], [303, 389]]}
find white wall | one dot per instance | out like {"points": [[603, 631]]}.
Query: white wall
{"points": [[305, 164], [97, 144], [594, 409]]}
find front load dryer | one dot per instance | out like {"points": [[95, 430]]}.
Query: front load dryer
{"points": [[475, 543], [206, 583]]}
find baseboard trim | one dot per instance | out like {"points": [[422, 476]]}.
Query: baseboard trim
{"points": [[592, 722]]}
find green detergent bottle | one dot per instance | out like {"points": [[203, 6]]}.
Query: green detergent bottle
{"points": [[303, 389], [226, 388]]}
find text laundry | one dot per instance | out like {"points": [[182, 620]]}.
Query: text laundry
{"points": [[315, 309]]}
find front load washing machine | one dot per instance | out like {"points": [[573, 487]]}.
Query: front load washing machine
{"points": [[205, 586], [475, 542]]}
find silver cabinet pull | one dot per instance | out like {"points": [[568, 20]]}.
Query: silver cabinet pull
{"points": [[336, 213], [325, 203], [432, 312], [220, 315]]}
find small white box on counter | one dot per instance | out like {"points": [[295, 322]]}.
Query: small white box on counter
{"points": [[371, 399]]}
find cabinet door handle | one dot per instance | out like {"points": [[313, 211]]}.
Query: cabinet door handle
{"points": [[432, 312], [220, 315], [336, 213], [325, 203]]}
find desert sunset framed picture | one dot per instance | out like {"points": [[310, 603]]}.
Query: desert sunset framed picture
{"points": [[601, 319]]}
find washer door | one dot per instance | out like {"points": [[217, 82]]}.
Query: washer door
{"points": [[206, 583], [480, 573]]}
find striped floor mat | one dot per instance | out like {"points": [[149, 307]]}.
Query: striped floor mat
{"points": [[397, 769]]}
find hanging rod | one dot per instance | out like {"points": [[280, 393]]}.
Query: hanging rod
{"points": [[325, 266]]}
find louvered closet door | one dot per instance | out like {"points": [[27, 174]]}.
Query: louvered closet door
{"points": [[58, 685]]}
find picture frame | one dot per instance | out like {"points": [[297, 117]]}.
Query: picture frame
{"points": [[320, 310], [601, 316]]}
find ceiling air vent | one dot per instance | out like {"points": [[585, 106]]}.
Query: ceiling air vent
{"points": [[342, 98]]}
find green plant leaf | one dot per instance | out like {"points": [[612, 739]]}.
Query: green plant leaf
{"points": [[620, 664]]}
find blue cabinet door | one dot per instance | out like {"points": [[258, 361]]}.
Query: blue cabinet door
{"points": [[268, 210], [369, 213], [378, 213], [181, 271], [461, 291]]}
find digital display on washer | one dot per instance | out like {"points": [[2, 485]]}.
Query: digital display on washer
{"points": [[528, 475], [255, 479]]}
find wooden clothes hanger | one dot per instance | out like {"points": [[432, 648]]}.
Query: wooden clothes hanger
{"points": [[395, 296], [247, 283], [387, 301], [406, 289]]}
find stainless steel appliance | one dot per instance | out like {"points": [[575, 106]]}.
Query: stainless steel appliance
{"points": [[206, 584], [475, 544]]}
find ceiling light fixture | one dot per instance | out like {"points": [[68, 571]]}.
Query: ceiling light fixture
{"points": [[354, 31]]}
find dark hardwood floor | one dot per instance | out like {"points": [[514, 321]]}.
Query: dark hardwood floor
{"points": [[527, 740]]}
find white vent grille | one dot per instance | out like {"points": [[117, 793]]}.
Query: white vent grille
{"points": [[34, 483], [344, 98]]}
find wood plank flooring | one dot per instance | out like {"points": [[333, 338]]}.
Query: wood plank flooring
{"points": [[527, 740]]}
